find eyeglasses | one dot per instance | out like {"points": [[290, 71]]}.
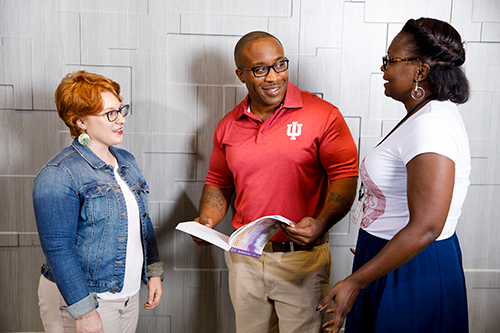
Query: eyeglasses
{"points": [[387, 59], [261, 71], [113, 114]]}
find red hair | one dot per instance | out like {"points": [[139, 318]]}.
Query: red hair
{"points": [[79, 95]]}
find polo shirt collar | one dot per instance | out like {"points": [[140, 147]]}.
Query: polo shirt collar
{"points": [[293, 100]]}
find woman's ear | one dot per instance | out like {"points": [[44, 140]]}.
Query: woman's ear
{"points": [[423, 71], [81, 124]]}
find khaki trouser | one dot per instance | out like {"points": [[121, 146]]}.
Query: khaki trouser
{"points": [[118, 316], [279, 292]]}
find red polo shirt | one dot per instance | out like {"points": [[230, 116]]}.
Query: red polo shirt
{"points": [[282, 165]]}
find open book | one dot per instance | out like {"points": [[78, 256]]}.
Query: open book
{"points": [[248, 240]]}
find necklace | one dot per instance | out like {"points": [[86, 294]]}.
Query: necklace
{"points": [[408, 115], [361, 192]]}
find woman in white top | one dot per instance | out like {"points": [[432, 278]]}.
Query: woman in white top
{"points": [[91, 209], [407, 272]]}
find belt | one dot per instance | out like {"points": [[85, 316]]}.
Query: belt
{"points": [[292, 247]]}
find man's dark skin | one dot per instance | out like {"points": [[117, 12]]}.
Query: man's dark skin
{"points": [[215, 201]]}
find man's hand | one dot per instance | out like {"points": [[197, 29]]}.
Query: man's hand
{"points": [[155, 291], [89, 323], [304, 232], [207, 222], [338, 201], [213, 207]]}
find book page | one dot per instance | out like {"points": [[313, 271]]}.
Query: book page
{"points": [[254, 236], [210, 235], [248, 240]]}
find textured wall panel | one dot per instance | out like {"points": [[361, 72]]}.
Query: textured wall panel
{"points": [[482, 69], [477, 114], [16, 214], [102, 33], [137, 7], [155, 323], [400, 11], [6, 96], [474, 228], [359, 59], [233, 7], [461, 19], [19, 285], [201, 59], [153, 28], [15, 65], [28, 139], [54, 42], [491, 32], [287, 30], [485, 11], [318, 29], [221, 25], [168, 108], [324, 61], [483, 302], [174, 61]]}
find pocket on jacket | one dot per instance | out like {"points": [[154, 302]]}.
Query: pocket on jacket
{"points": [[97, 200]]}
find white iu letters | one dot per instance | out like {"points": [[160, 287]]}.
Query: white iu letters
{"points": [[294, 130]]}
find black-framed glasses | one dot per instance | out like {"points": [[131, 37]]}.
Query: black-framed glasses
{"points": [[261, 71], [113, 114], [387, 59]]}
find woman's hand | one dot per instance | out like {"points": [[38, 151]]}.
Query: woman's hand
{"points": [[89, 323], [155, 292], [343, 294], [430, 188]]}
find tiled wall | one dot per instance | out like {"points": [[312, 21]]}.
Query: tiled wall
{"points": [[174, 61]]}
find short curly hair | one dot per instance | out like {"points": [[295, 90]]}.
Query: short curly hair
{"points": [[79, 95]]}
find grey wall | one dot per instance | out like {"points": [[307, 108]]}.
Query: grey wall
{"points": [[173, 59]]}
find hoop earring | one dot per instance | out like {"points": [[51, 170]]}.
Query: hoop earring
{"points": [[84, 139], [417, 93]]}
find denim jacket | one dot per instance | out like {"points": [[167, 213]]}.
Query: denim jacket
{"points": [[81, 218]]}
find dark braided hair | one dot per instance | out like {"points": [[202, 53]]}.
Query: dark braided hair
{"points": [[440, 45]]}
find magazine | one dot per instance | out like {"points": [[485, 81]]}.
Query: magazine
{"points": [[249, 240]]}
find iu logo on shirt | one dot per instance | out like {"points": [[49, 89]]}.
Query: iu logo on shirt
{"points": [[294, 130]]}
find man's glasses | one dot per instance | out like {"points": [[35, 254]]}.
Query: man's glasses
{"points": [[387, 59], [113, 115], [261, 71]]}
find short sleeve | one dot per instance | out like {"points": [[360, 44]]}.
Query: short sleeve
{"points": [[337, 150], [219, 173], [429, 133]]}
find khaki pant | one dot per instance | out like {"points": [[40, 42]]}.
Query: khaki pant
{"points": [[279, 292], [118, 316]]}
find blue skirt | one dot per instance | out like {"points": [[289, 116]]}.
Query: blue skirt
{"points": [[427, 294]]}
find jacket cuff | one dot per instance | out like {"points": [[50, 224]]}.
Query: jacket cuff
{"points": [[155, 270], [83, 306]]}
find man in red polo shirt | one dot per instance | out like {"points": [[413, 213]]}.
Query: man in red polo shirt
{"points": [[284, 152]]}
